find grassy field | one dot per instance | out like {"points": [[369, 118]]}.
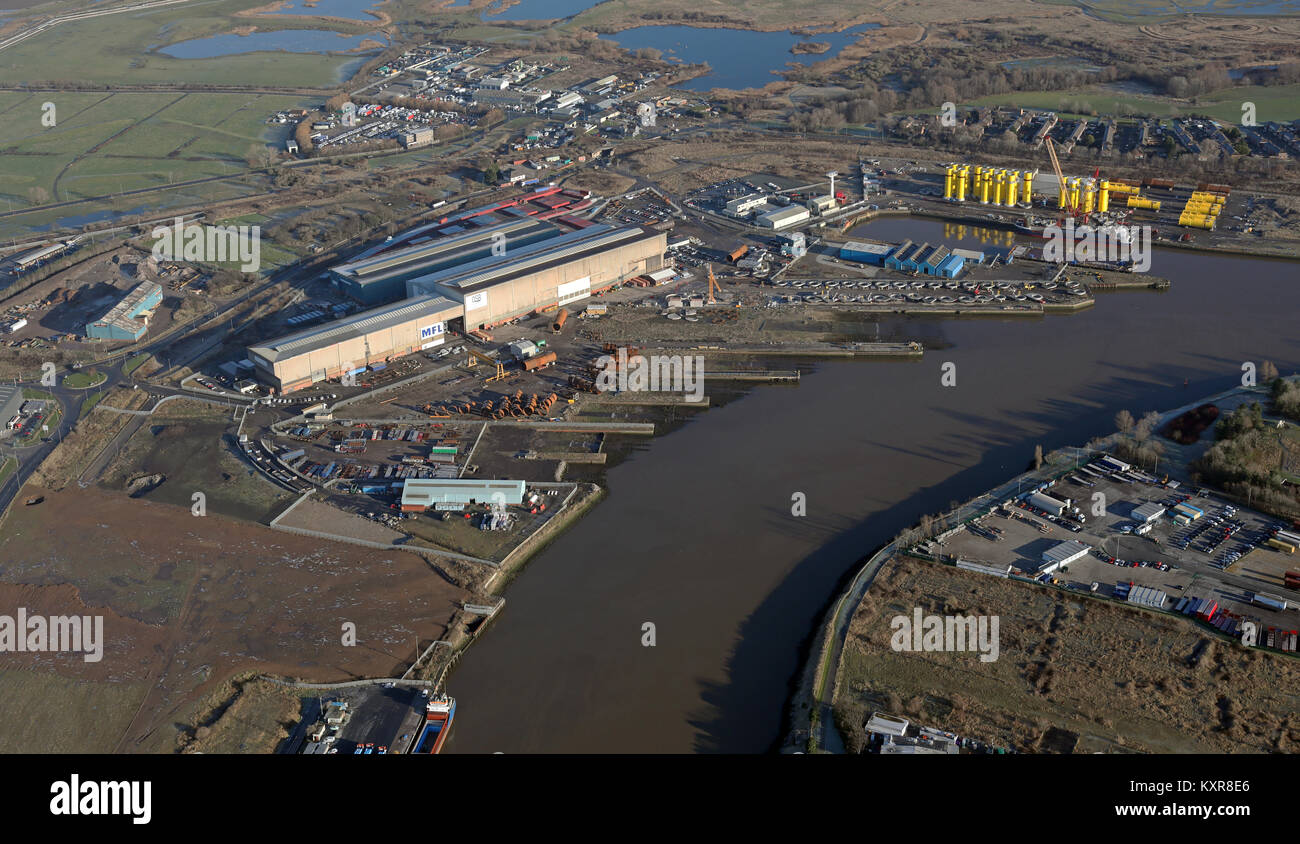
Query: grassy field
{"points": [[119, 49], [255, 718], [188, 603], [1280, 103], [82, 380], [80, 716], [90, 402], [105, 143], [1149, 11], [135, 363], [1073, 674]]}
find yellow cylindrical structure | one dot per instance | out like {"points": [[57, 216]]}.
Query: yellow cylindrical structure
{"points": [[999, 187], [962, 175], [948, 182], [1013, 189], [1074, 193], [1063, 197], [1026, 194], [1103, 197], [1142, 202], [984, 189], [1089, 196]]}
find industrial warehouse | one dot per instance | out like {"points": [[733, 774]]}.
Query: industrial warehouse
{"points": [[129, 318], [348, 346], [379, 275], [465, 278], [543, 275]]}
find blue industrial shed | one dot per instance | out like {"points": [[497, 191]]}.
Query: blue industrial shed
{"points": [[866, 253]]}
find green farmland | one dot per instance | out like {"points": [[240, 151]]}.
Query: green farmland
{"points": [[105, 143], [120, 49], [1280, 103]]}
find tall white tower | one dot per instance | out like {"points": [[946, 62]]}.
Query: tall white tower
{"points": [[831, 175]]}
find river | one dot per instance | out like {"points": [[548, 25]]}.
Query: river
{"points": [[696, 535]]}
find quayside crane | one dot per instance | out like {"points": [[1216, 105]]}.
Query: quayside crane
{"points": [[1070, 206]]}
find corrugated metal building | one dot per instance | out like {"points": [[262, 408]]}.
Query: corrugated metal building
{"points": [[951, 266], [1147, 597], [1043, 501], [866, 253], [420, 494], [783, 218], [544, 275], [1061, 554], [1148, 512], [129, 318], [985, 568], [382, 278], [299, 360], [906, 258]]}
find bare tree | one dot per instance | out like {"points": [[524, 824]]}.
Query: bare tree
{"points": [[1146, 426], [1124, 422]]}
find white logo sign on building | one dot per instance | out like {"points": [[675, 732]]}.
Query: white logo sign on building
{"points": [[572, 291], [474, 301], [432, 335]]}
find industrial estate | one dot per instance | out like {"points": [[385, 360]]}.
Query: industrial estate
{"points": [[325, 328]]}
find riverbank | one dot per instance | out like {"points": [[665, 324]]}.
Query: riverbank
{"points": [[815, 706], [1261, 248]]}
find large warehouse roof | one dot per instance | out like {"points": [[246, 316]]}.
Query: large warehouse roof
{"points": [[125, 313], [366, 322], [427, 492], [437, 253], [535, 257], [1065, 552]]}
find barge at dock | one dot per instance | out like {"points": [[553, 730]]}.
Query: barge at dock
{"points": [[438, 715]]}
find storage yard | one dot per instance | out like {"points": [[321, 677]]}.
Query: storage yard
{"points": [[1220, 558], [1074, 674]]}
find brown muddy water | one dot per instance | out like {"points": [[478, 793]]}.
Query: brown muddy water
{"points": [[697, 537]]}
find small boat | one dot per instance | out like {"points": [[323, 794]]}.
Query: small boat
{"points": [[438, 715]]}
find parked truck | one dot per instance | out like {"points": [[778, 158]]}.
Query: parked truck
{"points": [[1272, 602]]}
